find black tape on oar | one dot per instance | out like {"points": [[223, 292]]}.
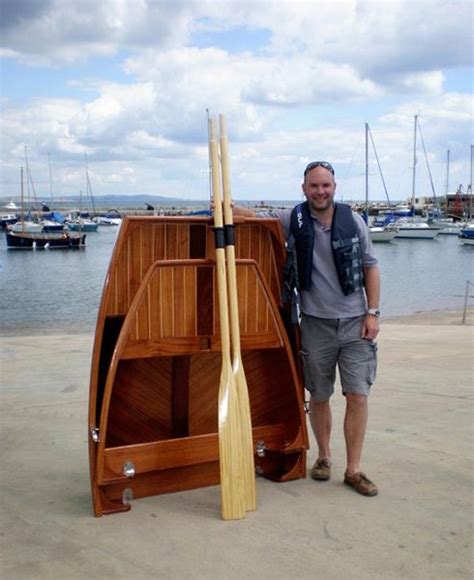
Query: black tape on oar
{"points": [[219, 236], [229, 235]]}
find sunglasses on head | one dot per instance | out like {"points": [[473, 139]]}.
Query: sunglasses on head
{"points": [[315, 164]]}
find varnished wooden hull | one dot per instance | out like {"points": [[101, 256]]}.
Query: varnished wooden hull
{"points": [[157, 360]]}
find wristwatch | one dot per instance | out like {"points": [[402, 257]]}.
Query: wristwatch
{"points": [[373, 312]]}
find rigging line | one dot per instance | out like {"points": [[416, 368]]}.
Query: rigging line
{"points": [[89, 186], [26, 170], [50, 181], [29, 179], [356, 150], [427, 164], [380, 168]]}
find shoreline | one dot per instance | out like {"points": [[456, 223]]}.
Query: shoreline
{"points": [[433, 317], [443, 317]]}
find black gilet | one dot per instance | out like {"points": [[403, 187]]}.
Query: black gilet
{"points": [[345, 245]]}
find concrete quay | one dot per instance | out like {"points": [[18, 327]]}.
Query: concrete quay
{"points": [[419, 451]]}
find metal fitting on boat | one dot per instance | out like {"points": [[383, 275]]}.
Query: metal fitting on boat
{"points": [[128, 469], [260, 447], [95, 434], [127, 496]]}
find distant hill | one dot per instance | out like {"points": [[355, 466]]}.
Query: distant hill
{"points": [[109, 201], [134, 201], [139, 200]]}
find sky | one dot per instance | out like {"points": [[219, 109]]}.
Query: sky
{"points": [[124, 87]]}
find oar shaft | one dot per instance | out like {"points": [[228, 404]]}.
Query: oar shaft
{"points": [[230, 247]]}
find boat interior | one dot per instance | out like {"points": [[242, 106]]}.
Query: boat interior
{"points": [[157, 360]]}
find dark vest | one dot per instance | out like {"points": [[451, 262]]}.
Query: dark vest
{"points": [[345, 244]]}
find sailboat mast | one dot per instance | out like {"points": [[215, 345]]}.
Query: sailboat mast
{"points": [[367, 173], [27, 167], [447, 173], [50, 181], [470, 185], [414, 165], [22, 208]]}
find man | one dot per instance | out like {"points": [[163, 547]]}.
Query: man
{"points": [[338, 293]]}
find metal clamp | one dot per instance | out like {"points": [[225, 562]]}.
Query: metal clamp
{"points": [[260, 448], [128, 469], [95, 434]]}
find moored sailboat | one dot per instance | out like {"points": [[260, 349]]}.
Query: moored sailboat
{"points": [[80, 221], [416, 228], [22, 236], [377, 233]]}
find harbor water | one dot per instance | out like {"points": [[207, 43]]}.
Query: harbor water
{"points": [[58, 291]]}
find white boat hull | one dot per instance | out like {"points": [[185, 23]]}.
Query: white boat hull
{"points": [[414, 233], [380, 235], [105, 221], [450, 231]]}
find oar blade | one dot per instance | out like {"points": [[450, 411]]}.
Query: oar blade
{"points": [[248, 468], [230, 451]]}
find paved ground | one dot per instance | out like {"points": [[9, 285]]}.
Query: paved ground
{"points": [[419, 451]]}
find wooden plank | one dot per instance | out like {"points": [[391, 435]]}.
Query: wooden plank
{"points": [[163, 455]]}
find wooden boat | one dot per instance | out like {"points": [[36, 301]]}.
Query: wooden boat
{"points": [[40, 240], [156, 361]]}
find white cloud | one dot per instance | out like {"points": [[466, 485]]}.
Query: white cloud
{"points": [[354, 60], [67, 31]]}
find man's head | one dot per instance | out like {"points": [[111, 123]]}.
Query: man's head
{"points": [[319, 185]]}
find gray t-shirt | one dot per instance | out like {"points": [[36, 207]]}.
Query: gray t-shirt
{"points": [[325, 299]]}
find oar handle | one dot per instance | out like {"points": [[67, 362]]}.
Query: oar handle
{"points": [[228, 217]]}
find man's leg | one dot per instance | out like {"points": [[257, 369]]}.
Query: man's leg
{"points": [[355, 424], [320, 350], [321, 423], [357, 366]]}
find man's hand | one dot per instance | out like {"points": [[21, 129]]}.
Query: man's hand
{"points": [[370, 327]]}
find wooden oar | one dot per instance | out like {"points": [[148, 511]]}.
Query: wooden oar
{"points": [[250, 494], [229, 430]]}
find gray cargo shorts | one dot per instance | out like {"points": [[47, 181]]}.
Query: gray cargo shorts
{"points": [[330, 343]]}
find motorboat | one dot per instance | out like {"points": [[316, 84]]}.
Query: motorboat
{"points": [[7, 219], [466, 236]]}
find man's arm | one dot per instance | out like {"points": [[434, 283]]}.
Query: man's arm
{"points": [[370, 326], [282, 214], [238, 210]]}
